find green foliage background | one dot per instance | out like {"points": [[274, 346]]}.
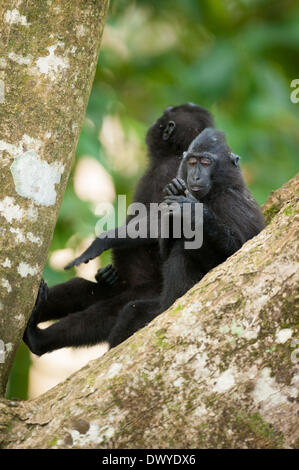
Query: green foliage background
{"points": [[235, 57]]}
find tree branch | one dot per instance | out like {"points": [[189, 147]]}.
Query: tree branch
{"points": [[217, 369]]}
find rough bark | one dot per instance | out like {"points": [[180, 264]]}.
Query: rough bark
{"points": [[48, 55], [218, 369]]}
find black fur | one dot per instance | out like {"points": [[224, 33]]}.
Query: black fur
{"points": [[230, 217], [87, 311]]}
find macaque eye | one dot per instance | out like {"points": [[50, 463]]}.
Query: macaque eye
{"points": [[205, 161], [192, 161]]}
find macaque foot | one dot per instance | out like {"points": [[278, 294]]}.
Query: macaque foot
{"points": [[31, 334], [42, 296]]}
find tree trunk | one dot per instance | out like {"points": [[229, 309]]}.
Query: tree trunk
{"points": [[218, 369], [48, 57]]}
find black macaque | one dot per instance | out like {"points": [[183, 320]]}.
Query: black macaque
{"points": [[87, 311], [210, 174]]}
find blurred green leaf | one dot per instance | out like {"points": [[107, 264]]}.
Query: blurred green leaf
{"points": [[19, 375]]}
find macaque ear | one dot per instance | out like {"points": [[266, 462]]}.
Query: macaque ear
{"points": [[169, 130], [235, 159]]}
